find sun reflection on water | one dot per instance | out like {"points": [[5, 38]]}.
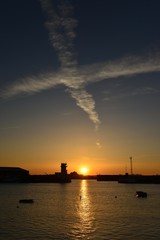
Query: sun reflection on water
{"points": [[85, 225]]}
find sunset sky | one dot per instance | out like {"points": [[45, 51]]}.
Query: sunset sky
{"points": [[80, 83]]}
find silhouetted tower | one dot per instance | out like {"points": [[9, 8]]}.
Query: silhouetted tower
{"points": [[64, 168], [131, 165]]}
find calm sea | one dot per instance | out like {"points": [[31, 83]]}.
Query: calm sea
{"points": [[83, 209]]}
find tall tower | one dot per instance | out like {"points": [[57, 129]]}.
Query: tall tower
{"points": [[131, 165], [64, 168]]}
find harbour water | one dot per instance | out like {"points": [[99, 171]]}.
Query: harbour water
{"points": [[83, 209]]}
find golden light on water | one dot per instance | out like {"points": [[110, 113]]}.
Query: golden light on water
{"points": [[85, 224]]}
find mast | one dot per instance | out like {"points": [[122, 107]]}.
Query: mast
{"points": [[131, 165]]}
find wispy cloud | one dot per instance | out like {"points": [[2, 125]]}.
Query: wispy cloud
{"points": [[85, 101], [145, 91], [61, 26], [32, 85], [126, 66], [130, 93], [98, 144], [85, 75]]}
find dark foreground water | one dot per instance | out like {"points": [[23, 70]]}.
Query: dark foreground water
{"points": [[83, 209]]}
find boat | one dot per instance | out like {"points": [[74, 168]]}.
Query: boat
{"points": [[141, 194], [26, 201]]}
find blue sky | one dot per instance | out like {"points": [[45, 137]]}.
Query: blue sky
{"points": [[80, 83]]}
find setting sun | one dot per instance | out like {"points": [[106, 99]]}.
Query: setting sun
{"points": [[84, 170]]}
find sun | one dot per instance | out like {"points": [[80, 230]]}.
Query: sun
{"points": [[84, 170]]}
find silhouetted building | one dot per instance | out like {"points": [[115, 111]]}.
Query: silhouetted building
{"points": [[64, 168], [19, 175], [58, 177], [13, 174], [74, 175]]}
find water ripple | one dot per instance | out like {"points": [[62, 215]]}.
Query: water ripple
{"points": [[80, 210]]}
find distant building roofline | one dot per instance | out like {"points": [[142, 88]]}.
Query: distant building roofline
{"points": [[13, 169]]}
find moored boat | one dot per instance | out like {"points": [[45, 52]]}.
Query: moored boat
{"points": [[141, 194], [26, 201]]}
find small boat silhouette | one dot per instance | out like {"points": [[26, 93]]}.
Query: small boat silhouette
{"points": [[141, 194], [26, 201]]}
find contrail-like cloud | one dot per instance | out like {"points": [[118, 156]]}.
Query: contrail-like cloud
{"points": [[61, 26], [86, 102], [85, 75], [126, 66]]}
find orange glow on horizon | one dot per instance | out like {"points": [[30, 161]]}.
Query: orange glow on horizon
{"points": [[84, 170]]}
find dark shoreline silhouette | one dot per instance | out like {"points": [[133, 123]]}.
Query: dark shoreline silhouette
{"points": [[132, 179], [19, 175]]}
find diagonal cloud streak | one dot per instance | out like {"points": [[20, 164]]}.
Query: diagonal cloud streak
{"points": [[86, 102], [126, 66], [91, 73], [61, 25]]}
